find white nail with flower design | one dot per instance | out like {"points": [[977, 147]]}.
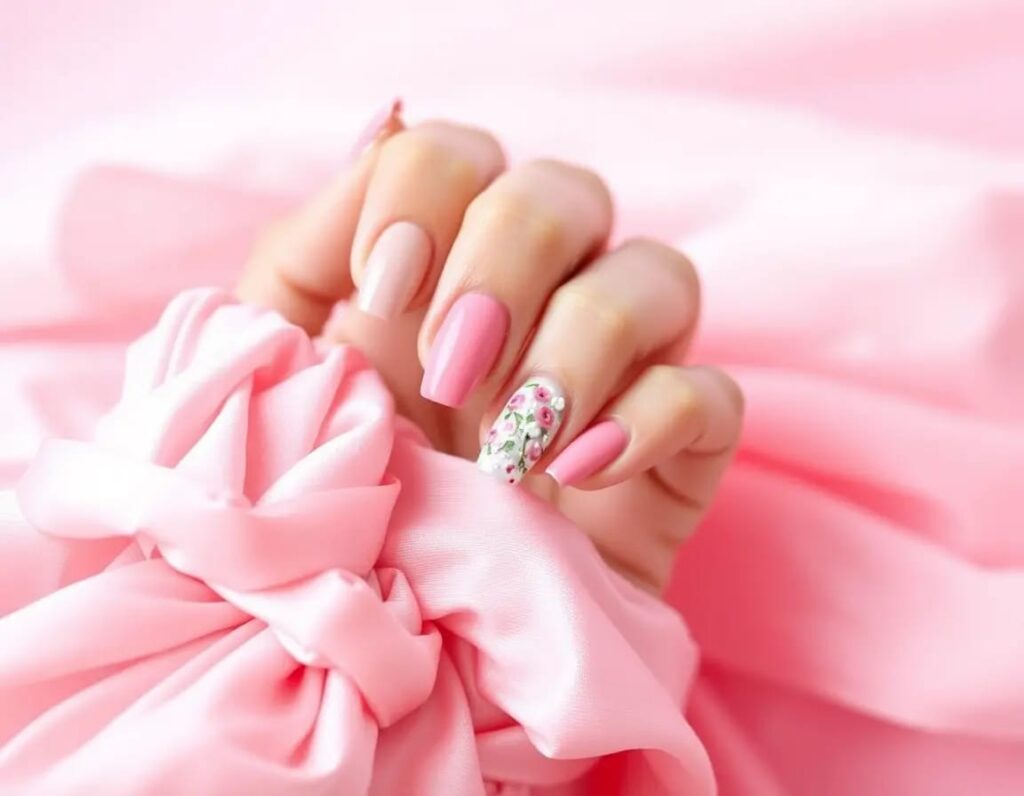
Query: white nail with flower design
{"points": [[523, 430]]}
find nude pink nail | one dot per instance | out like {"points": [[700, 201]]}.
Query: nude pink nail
{"points": [[394, 270], [464, 349], [591, 451]]}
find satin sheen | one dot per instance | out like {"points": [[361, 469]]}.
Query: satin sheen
{"points": [[258, 580]]}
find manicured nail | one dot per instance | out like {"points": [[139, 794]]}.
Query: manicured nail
{"points": [[523, 430], [394, 270], [591, 451], [465, 348], [381, 121]]}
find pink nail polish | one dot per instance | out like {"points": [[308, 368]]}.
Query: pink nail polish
{"points": [[394, 270], [465, 348], [380, 122], [594, 449]]}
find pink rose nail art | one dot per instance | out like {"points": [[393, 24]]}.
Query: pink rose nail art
{"points": [[523, 430]]}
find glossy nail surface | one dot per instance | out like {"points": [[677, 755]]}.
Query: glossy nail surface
{"points": [[394, 270], [465, 348], [590, 452], [523, 430]]}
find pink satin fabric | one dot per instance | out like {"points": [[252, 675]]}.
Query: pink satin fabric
{"points": [[258, 580]]}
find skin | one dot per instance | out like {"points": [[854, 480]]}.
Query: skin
{"points": [[610, 324]]}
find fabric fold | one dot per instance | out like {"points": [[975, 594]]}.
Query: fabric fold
{"points": [[276, 580]]}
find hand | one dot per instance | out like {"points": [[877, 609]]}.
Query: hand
{"points": [[491, 305]]}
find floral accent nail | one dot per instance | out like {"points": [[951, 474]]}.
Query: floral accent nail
{"points": [[523, 430]]}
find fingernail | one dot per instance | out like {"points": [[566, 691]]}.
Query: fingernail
{"points": [[465, 348], [523, 430], [394, 270], [382, 120], [591, 451]]}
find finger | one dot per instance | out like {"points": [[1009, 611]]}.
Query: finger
{"points": [[298, 266], [519, 240], [678, 424], [597, 330], [424, 180]]}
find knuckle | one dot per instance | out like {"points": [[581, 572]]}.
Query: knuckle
{"points": [[476, 143], [599, 312], [701, 397], [458, 131], [682, 396], [571, 172], [412, 150], [729, 387], [459, 171], [417, 154], [591, 183], [507, 215], [669, 257]]}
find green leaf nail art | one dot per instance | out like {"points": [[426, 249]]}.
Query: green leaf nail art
{"points": [[524, 430]]}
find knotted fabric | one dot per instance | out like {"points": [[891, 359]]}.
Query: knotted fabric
{"points": [[257, 579]]}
